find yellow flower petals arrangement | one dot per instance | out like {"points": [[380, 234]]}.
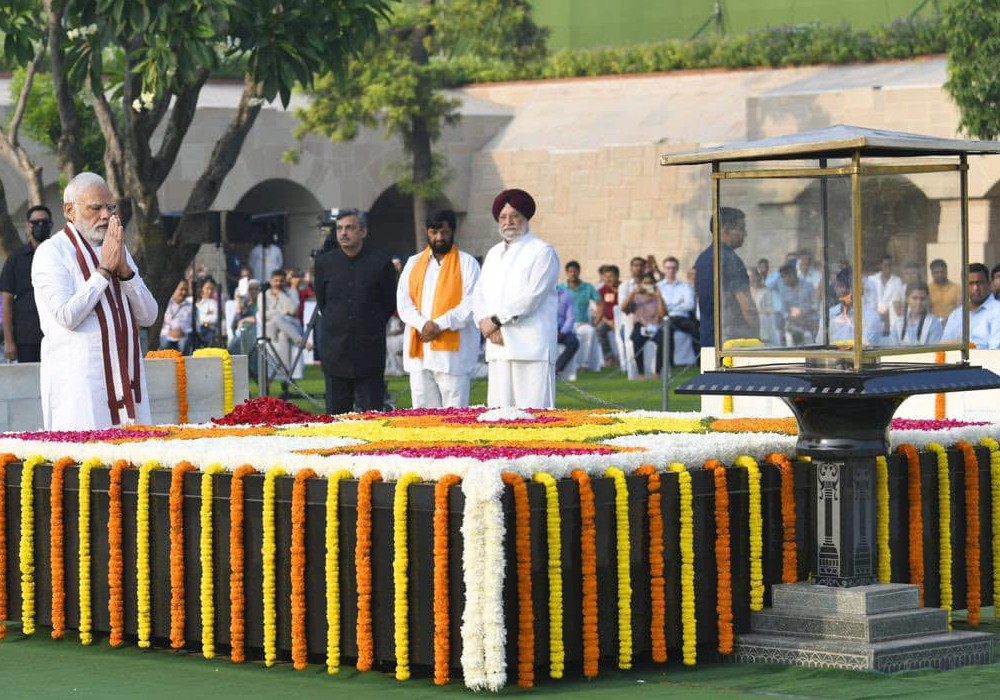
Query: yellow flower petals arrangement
{"points": [[207, 589], [882, 519], [689, 625], [27, 544], [143, 583], [994, 447], [623, 544], [227, 373], [553, 530], [944, 525], [400, 573], [269, 575], [756, 533], [332, 566]]}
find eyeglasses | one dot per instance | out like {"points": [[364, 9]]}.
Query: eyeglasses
{"points": [[96, 208]]}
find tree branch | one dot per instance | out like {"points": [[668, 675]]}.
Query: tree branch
{"points": [[69, 159], [177, 127], [22, 99]]}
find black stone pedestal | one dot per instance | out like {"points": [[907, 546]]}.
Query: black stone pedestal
{"points": [[845, 553]]}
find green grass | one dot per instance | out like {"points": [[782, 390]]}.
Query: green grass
{"points": [[608, 388]]}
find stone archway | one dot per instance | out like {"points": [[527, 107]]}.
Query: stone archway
{"points": [[302, 235], [390, 221]]}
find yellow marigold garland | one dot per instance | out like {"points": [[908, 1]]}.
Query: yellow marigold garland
{"points": [[973, 597], [727, 399], [689, 624], [882, 519], [5, 459], [297, 603], [57, 547], [525, 608], [624, 559], [227, 373], [944, 525], [332, 563], [144, 607], [26, 550], [994, 447], [553, 528], [180, 370], [756, 532], [401, 572], [207, 588], [83, 527], [268, 553]]}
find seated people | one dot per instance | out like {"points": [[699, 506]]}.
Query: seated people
{"points": [[678, 296], [796, 315], [207, 311], [583, 294], [245, 325], [842, 314], [917, 326], [565, 329], [176, 331], [608, 292], [648, 309], [984, 312]]}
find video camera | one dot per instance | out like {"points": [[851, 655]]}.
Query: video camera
{"points": [[326, 222]]}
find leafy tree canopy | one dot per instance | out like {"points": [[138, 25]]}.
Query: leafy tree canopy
{"points": [[973, 31]]}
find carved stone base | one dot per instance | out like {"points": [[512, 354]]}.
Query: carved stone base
{"points": [[867, 628]]}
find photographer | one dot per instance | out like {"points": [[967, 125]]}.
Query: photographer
{"points": [[22, 334]]}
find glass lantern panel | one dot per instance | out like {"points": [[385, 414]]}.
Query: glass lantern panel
{"points": [[779, 269]]}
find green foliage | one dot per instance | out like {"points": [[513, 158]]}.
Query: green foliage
{"points": [[20, 30], [973, 32], [41, 119]]}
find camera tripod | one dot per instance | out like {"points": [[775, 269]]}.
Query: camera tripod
{"points": [[266, 352]]}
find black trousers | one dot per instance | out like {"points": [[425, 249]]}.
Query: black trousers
{"points": [[29, 352], [343, 393]]}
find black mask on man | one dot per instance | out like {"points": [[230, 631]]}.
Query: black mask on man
{"points": [[40, 230]]}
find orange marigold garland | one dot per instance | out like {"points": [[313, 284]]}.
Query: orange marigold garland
{"points": [[177, 612], [57, 540], [914, 494], [298, 570], [657, 565], [5, 459], [525, 609], [789, 547], [940, 407], [973, 598], [116, 555], [237, 595], [588, 560], [442, 599], [363, 568], [723, 558], [180, 369]]}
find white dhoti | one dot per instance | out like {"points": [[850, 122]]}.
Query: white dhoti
{"points": [[431, 389], [522, 383]]}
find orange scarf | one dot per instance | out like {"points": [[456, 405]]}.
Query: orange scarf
{"points": [[447, 295]]}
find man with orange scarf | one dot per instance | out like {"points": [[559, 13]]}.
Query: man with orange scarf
{"points": [[434, 300]]}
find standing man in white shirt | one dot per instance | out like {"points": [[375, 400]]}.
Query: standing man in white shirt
{"points": [[434, 300], [984, 312], [890, 294], [515, 308]]}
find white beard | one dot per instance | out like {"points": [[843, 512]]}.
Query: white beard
{"points": [[511, 236]]}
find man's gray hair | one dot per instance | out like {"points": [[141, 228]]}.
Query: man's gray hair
{"points": [[82, 182]]}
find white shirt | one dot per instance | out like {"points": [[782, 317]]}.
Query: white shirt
{"points": [[458, 318], [263, 261], [518, 285], [984, 325], [208, 311], [887, 292], [678, 296]]}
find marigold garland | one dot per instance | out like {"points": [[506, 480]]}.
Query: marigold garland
{"points": [[26, 549], [525, 609], [723, 556], [83, 563], [944, 525], [689, 624], [57, 546], [227, 373], [442, 597], [401, 572], [914, 497], [300, 649], [882, 519], [756, 532], [177, 611], [588, 570], [237, 559], [994, 447], [973, 596], [940, 399], [657, 565], [268, 550], [623, 544], [332, 569], [363, 570], [205, 550], [5, 459], [144, 607], [553, 529], [789, 546], [180, 371], [116, 556]]}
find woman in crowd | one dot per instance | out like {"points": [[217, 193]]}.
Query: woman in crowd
{"points": [[176, 331], [207, 310], [648, 309], [917, 326]]}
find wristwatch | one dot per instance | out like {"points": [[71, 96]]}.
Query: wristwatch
{"points": [[496, 320]]}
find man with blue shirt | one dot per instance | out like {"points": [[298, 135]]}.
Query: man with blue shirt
{"points": [[984, 312], [739, 312], [582, 293]]}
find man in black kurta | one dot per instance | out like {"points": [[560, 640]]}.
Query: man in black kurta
{"points": [[356, 295], [22, 331]]}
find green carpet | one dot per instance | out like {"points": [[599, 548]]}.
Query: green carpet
{"points": [[42, 668]]}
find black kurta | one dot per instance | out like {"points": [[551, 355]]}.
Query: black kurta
{"points": [[355, 296]]}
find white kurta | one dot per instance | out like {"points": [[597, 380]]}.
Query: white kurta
{"points": [[518, 285], [458, 318], [72, 374]]}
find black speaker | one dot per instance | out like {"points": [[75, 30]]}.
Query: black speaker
{"points": [[172, 219]]}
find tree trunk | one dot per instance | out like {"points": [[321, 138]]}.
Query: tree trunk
{"points": [[420, 139], [9, 239]]}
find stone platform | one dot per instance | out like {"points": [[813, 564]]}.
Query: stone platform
{"points": [[866, 628]]}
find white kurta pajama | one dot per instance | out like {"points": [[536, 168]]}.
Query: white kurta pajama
{"points": [[518, 286], [92, 374], [440, 378]]}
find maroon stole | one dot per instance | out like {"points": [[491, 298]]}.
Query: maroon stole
{"points": [[125, 338]]}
